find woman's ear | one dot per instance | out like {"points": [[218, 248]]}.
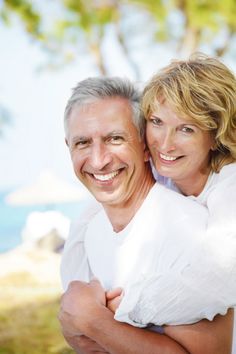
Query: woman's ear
{"points": [[214, 146]]}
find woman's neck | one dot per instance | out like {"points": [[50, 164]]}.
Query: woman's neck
{"points": [[193, 186]]}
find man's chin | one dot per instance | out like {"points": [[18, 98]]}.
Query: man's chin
{"points": [[105, 199]]}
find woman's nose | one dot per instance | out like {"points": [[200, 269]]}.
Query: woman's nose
{"points": [[168, 142]]}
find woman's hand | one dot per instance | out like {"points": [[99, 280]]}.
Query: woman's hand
{"points": [[113, 298]]}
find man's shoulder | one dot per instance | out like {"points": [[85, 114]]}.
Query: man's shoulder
{"points": [[74, 264], [80, 224]]}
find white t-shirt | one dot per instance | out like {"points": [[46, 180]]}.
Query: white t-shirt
{"points": [[161, 236], [105, 250], [205, 287], [146, 247]]}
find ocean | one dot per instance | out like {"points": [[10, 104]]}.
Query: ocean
{"points": [[13, 218]]}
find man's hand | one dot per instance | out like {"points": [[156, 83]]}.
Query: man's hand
{"points": [[114, 297], [78, 306], [84, 345]]}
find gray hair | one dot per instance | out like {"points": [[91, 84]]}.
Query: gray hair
{"points": [[90, 89]]}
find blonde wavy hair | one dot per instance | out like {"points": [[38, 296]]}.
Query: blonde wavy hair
{"points": [[203, 91]]}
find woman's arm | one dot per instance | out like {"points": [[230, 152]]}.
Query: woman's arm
{"points": [[83, 310], [205, 336]]}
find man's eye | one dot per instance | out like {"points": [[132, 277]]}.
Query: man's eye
{"points": [[81, 144], [116, 139]]}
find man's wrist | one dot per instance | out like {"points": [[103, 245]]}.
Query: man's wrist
{"points": [[100, 319]]}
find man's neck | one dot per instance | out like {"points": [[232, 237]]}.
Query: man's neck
{"points": [[120, 215]]}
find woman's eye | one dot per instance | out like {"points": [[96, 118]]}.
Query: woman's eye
{"points": [[187, 130], [156, 121]]}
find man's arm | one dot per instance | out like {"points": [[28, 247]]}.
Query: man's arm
{"points": [[83, 310], [84, 345]]}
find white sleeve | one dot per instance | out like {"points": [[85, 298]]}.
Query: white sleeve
{"points": [[74, 263], [204, 287], [175, 298]]}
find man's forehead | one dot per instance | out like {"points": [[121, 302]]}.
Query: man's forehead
{"points": [[103, 111], [103, 117], [91, 103]]}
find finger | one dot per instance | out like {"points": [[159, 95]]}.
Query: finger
{"points": [[95, 282], [114, 303], [110, 294], [94, 279], [75, 284]]}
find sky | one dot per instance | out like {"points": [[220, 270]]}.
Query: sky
{"points": [[34, 139], [35, 99]]}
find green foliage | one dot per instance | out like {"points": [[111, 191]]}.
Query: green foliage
{"points": [[24, 9], [228, 10], [92, 13], [81, 25]]}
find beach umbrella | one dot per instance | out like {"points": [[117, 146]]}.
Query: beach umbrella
{"points": [[47, 189]]}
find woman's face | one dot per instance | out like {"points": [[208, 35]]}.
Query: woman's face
{"points": [[180, 150]]}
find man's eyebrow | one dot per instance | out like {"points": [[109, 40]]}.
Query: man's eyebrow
{"points": [[117, 132]]}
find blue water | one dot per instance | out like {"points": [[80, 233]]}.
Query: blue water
{"points": [[12, 219]]}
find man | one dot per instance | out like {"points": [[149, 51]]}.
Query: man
{"points": [[104, 133]]}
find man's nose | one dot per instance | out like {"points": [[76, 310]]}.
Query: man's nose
{"points": [[100, 156]]}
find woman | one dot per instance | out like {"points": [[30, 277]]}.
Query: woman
{"points": [[190, 110]]}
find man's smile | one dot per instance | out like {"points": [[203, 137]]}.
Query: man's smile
{"points": [[106, 177]]}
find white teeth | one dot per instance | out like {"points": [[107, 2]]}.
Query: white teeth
{"points": [[107, 177], [168, 158]]}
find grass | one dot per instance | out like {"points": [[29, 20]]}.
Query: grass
{"points": [[28, 317]]}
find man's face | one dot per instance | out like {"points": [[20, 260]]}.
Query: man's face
{"points": [[106, 151]]}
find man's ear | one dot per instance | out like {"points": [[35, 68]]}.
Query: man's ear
{"points": [[146, 153]]}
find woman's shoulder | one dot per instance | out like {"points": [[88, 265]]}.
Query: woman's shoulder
{"points": [[222, 186], [228, 171], [226, 178]]}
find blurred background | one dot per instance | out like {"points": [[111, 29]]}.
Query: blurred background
{"points": [[46, 47]]}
